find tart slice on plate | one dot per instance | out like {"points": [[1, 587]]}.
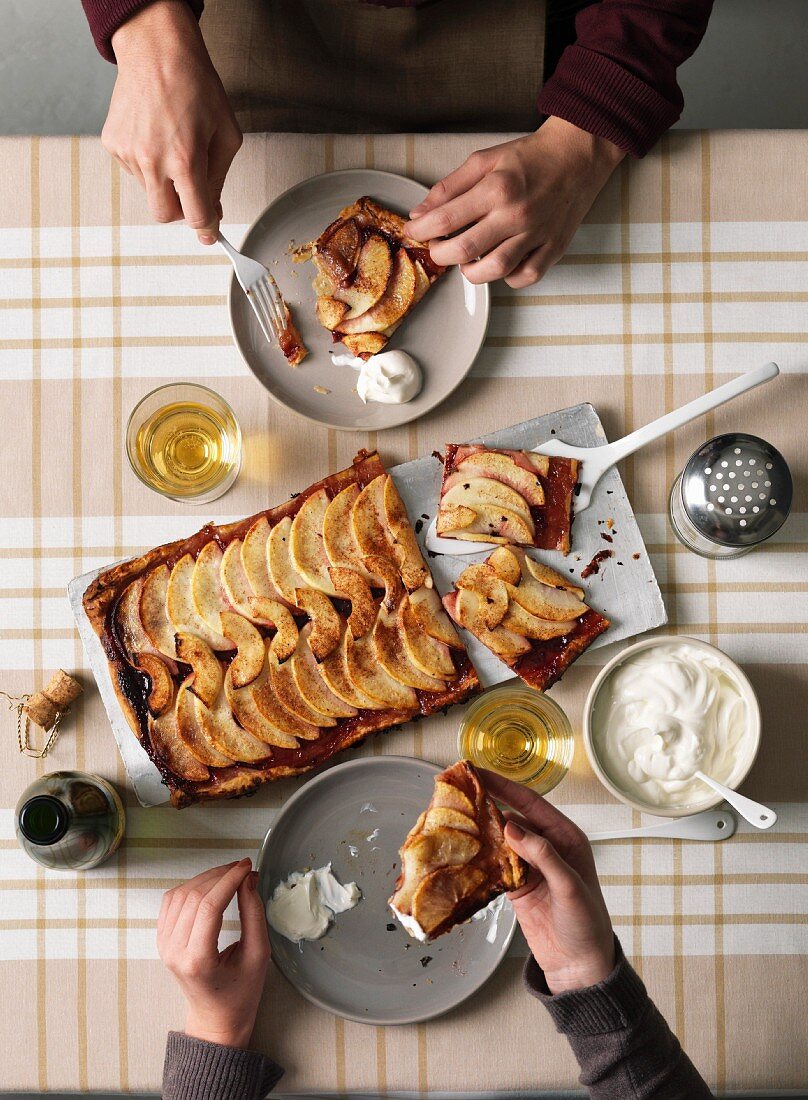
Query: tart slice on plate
{"points": [[524, 613], [497, 495], [455, 859], [370, 275]]}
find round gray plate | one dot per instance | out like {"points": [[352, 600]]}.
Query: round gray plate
{"points": [[360, 969], [444, 333]]}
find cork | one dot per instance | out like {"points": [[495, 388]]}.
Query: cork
{"points": [[44, 706]]}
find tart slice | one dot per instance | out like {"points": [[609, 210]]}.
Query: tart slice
{"points": [[370, 275], [455, 859], [504, 496], [525, 613]]}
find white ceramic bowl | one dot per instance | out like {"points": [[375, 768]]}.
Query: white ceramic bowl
{"points": [[710, 798]]}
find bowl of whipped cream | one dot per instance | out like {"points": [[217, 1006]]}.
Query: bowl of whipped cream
{"points": [[662, 710]]}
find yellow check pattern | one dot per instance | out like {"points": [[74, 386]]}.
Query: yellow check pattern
{"points": [[692, 267]]}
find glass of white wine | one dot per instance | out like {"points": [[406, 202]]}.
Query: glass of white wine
{"points": [[183, 441], [519, 733]]}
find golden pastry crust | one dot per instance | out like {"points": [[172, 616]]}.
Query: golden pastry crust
{"points": [[121, 599]]}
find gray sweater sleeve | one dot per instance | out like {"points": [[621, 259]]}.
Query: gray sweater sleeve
{"points": [[197, 1070], [625, 1049]]}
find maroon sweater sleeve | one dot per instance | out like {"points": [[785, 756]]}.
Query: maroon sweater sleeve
{"points": [[618, 80], [625, 1049], [105, 16]]}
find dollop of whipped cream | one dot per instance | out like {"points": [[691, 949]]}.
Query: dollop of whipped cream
{"points": [[391, 378], [410, 924], [304, 905], [664, 714]]}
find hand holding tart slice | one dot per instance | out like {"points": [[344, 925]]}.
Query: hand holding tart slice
{"points": [[455, 859], [370, 275]]}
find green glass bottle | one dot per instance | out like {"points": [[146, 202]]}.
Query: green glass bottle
{"points": [[70, 820]]}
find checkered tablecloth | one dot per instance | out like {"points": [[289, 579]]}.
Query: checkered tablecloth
{"points": [[692, 267]]}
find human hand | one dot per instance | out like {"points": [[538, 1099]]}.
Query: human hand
{"points": [[170, 123], [223, 989], [560, 908], [514, 208]]}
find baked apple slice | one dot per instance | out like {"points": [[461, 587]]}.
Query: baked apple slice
{"points": [[365, 671], [306, 545], [282, 573], [154, 611], [393, 655], [312, 685], [190, 730], [287, 693], [428, 654], [242, 701], [427, 609], [334, 670], [392, 305], [172, 750], [226, 735], [161, 684], [206, 672], [250, 656], [182, 611]]}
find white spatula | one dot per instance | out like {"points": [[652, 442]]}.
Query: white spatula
{"points": [[595, 461], [708, 825]]}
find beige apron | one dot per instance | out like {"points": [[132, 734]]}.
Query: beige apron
{"points": [[348, 66]]}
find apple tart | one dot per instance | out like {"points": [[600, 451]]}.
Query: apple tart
{"points": [[507, 496], [455, 859], [259, 649], [525, 613], [370, 275]]}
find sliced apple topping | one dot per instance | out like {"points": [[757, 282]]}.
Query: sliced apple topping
{"points": [[350, 585], [463, 606], [393, 655], [282, 573], [488, 523], [190, 730], [234, 579], [337, 251], [443, 817], [452, 798], [206, 586], [370, 677], [505, 564], [492, 591], [276, 614], [334, 670], [242, 702], [531, 626], [206, 680], [365, 345], [312, 685], [254, 555], [374, 266], [393, 304], [306, 544], [427, 609], [388, 575], [484, 492], [540, 463], [330, 311], [130, 629], [440, 894], [406, 552], [366, 518], [250, 657], [170, 747], [274, 711], [549, 576], [326, 623], [181, 608], [287, 693], [445, 848], [161, 689], [454, 517], [556, 603], [226, 735], [154, 611], [501, 468], [431, 656]]}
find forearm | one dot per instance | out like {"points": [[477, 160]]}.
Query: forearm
{"points": [[198, 1070], [624, 1047], [107, 16], [619, 78]]}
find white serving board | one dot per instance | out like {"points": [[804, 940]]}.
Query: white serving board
{"points": [[627, 594]]}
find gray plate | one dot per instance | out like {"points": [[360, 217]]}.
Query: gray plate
{"points": [[360, 970], [444, 333]]}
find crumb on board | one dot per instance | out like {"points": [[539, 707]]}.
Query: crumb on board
{"points": [[635, 557], [609, 523], [321, 389]]}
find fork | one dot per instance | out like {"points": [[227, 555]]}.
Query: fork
{"points": [[261, 290]]}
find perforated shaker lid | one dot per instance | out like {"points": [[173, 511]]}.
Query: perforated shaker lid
{"points": [[737, 489]]}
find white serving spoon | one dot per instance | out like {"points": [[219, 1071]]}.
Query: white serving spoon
{"points": [[759, 816], [595, 461], [707, 825]]}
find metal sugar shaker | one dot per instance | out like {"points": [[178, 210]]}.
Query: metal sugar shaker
{"points": [[734, 493]]}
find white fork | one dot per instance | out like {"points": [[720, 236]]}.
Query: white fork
{"points": [[261, 290]]}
